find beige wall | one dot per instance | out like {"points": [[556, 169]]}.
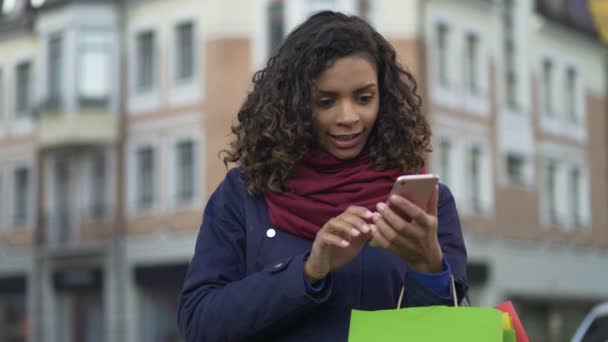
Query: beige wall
{"points": [[228, 78]]}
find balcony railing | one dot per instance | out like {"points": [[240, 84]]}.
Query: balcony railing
{"points": [[67, 228]]}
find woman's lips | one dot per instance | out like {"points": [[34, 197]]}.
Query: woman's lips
{"points": [[345, 141]]}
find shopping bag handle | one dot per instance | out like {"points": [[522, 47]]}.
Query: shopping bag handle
{"points": [[452, 291]]}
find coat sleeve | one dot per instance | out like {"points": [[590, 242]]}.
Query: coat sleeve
{"points": [[219, 301], [452, 244]]}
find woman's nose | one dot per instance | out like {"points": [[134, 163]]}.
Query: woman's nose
{"points": [[348, 113]]}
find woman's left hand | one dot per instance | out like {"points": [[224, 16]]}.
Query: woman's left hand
{"points": [[415, 241]]}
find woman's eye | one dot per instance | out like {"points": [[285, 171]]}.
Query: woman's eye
{"points": [[326, 102], [367, 98]]}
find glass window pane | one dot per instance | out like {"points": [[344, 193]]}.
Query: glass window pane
{"points": [[185, 174], [145, 171], [475, 173], [185, 50], [23, 88], [98, 182], [94, 73], [22, 183], [276, 24], [571, 95], [472, 63], [445, 162], [2, 104], [55, 71], [145, 60], [548, 86], [575, 197], [515, 169], [442, 51]]}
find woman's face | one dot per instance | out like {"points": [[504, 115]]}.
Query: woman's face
{"points": [[345, 108]]}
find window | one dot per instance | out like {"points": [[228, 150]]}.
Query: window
{"points": [[551, 191], [442, 54], [570, 95], [94, 68], [145, 60], [185, 171], [60, 218], [55, 71], [185, 51], [445, 149], [276, 24], [475, 178], [158, 309], [21, 191], [7, 6], [315, 6], [548, 95], [515, 169], [575, 197], [98, 183], [472, 63], [1, 97], [510, 55], [13, 316], [145, 177], [364, 9], [23, 83]]}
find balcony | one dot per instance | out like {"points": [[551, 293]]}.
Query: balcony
{"points": [[91, 124], [67, 232]]}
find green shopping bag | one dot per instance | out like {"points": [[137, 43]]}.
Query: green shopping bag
{"points": [[432, 323], [428, 324]]}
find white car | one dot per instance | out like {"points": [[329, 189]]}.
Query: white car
{"points": [[594, 327]]}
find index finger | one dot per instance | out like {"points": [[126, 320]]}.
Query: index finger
{"points": [[412, 210], [359, 211]]}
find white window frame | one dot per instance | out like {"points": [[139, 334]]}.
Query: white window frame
{"points": [[30, 196], [528, 169], [23, 124], [295, 12], [566, 158], [486, 185], [144, 101], [578, 129], [199, 171], [3, 98], [110, 166], [558, 122], [553, 118], [446, 95], [477, 103], [183, 92], [132, 185]]}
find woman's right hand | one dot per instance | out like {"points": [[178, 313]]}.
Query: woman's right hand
{"points": [[338, 242]]}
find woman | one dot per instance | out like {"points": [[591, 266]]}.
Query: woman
{"points": [[283, 250]]}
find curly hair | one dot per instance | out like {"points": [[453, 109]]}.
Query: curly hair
{"points": [[274, 128]]}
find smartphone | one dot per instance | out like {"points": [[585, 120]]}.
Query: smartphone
{"points": [[416, 188]]}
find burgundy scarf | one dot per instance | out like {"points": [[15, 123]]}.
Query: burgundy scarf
{"points": [[323, 187]]}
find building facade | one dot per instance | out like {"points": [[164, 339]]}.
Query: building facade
{"points": [[112, 114]]}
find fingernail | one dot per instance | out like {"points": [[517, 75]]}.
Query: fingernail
{"points": [[376, 216], [365, 227], [354, 232], [368, 214], [381, 207], [395, 198], [374, 228], [345, 243]]}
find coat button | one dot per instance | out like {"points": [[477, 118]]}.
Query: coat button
{"points": [[271, 233]]}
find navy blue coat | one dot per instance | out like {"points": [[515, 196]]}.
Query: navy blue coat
{"points": [[243, 285]]}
